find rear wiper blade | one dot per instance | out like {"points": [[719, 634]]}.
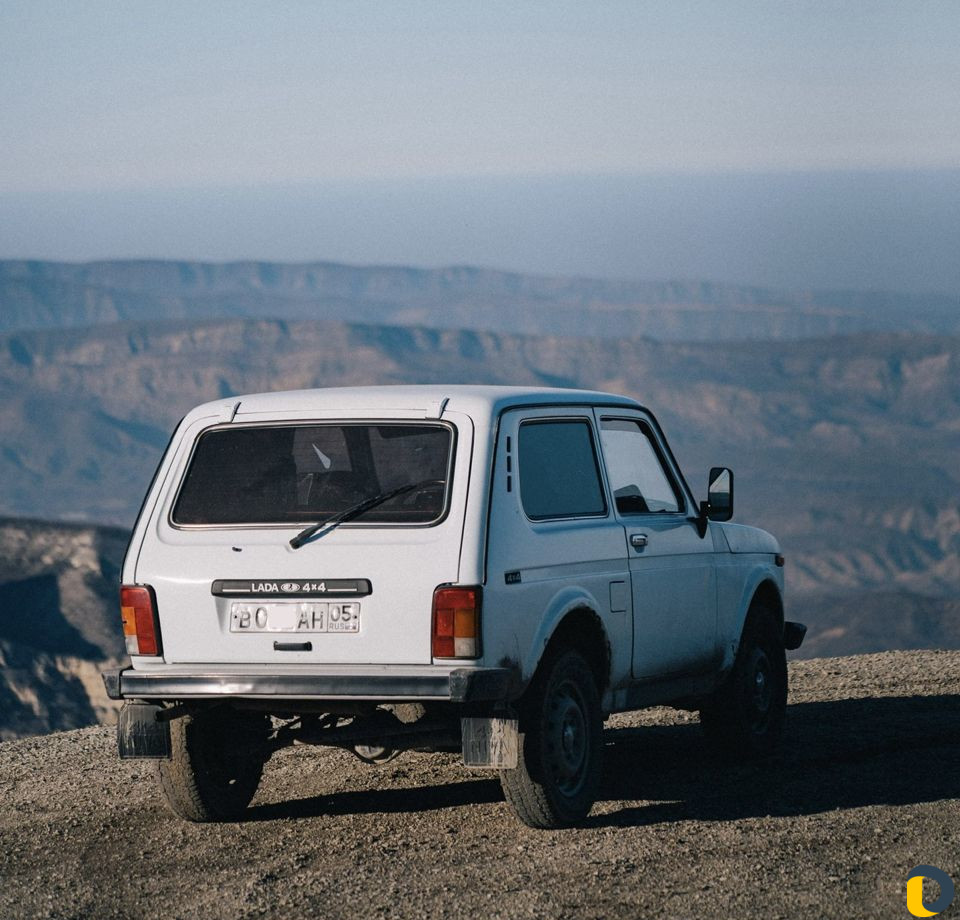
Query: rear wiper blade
{"points": [[360, 508]]}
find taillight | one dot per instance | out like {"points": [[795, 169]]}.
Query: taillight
{"points": [[138, 608], [456, 623]]}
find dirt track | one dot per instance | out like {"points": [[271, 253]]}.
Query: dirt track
{"points": [[867, 786]]}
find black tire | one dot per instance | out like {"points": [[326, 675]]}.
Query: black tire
{"points": [[561, 746], [216, 761], [744, 717]]}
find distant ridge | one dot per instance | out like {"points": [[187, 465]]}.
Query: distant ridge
{"points": [[54, 295], [844, 447]]}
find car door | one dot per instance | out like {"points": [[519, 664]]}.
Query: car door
{"points": [[554, 541], [672, 573]]}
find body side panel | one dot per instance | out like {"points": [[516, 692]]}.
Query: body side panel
{"points": [[539, 571]]}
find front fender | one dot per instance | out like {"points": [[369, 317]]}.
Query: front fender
{"points": [[744, 578]]}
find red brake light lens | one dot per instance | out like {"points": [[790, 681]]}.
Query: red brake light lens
{"points": [[138, 610], [456, 623]]}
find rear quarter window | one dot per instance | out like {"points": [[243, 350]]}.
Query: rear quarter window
{"points": [[559, 474]]}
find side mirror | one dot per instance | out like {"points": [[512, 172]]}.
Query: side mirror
{"points": [[719, 503], [720, 494]]}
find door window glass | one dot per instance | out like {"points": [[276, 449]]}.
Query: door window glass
{"points": [[639, 482], [559, 476]]}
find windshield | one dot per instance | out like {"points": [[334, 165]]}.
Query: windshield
{"points": [[303, 473]]}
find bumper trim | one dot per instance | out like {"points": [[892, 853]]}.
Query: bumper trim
{"points": [[463, 685]]}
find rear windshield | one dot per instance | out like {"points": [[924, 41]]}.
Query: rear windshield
{"points": [[303, 473]]}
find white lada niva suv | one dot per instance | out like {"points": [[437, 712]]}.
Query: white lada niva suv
{"points": [[491, 571]]}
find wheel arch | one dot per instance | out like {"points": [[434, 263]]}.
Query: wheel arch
{"points": [[767, 595], [573, 622], [761, 588], [583, 630]]}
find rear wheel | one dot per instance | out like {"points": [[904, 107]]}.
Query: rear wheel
{"points": [[744, 717], [216, 761], [561, 750]]}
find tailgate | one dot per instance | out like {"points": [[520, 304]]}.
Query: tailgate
{"points": [[360, 592]]}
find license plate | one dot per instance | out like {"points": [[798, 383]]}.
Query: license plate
{"points": [[302, 617]]}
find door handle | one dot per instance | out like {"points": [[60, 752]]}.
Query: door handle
{"points": [[638, 540]]}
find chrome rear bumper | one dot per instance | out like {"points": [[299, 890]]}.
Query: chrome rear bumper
{"points": [[459, 685]]}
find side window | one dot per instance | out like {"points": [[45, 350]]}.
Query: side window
{"points": [[559, 476], [639, 482]]}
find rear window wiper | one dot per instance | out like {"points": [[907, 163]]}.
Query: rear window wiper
{"points": [[360, 508]]}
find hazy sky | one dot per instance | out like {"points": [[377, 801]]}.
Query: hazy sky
{"points": [[119, 99]]}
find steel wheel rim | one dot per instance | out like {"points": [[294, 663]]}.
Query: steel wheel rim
{"points": [[567, 730], [759, 690]]}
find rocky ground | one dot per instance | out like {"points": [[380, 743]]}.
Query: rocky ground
{"points": [[866, 787]]}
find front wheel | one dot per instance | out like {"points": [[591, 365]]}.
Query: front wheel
{"points": [[216, 761], [744, 717], [561, 747]]}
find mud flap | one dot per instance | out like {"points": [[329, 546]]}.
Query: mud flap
{"points": [[140, 734], [793, 634], [490, 743]]}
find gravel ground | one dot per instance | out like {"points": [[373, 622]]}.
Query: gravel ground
{"points": [[867, 786]]}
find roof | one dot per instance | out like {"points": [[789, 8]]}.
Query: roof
{"points": [[471, 400]]}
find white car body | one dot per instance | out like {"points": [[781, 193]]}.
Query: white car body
{"points": [[669, 613]]}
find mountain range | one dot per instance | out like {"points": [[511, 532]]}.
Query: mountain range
{"points": [[845, 446], [49, 295]]}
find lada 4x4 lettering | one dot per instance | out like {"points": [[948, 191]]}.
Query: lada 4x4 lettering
{"points": [[491, 571]]}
